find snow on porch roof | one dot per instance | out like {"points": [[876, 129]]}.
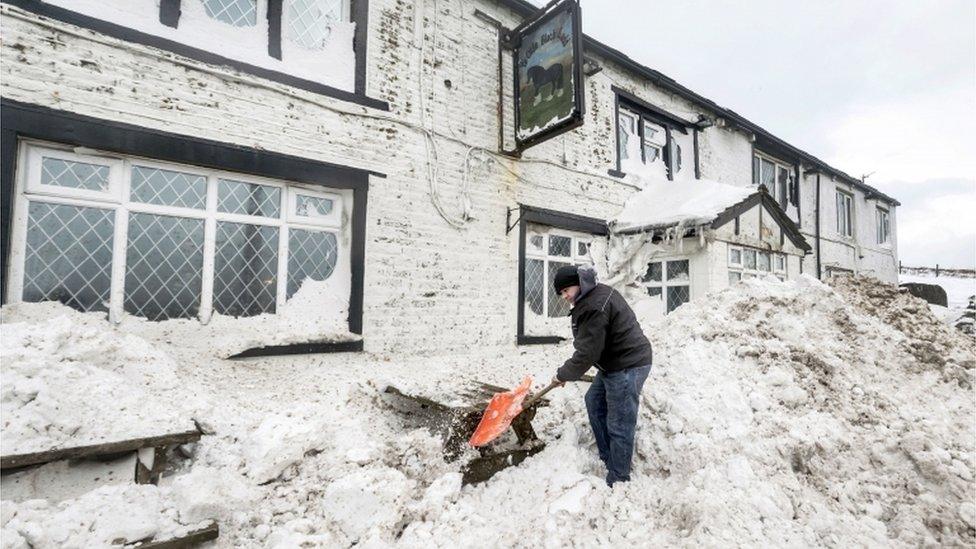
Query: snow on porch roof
{"points": [[664, 204]]}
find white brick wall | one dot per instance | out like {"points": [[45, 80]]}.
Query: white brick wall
{"points": [[428, 286], [861, 254]]}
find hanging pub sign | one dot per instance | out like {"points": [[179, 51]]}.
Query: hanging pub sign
{"points": [[548, 74]]}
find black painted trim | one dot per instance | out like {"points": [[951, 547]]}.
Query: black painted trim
{"points": [[23, 120], [359, 12], [668, 149], [616, 172], [697, 164], [302, 349], [664, 117], [559, 220], [564, 220], [539, 340], [817, 238], [169, 12], [275, 8], [8, 170], [643, 112], [763, 198], [124, 33], [798, 189]]}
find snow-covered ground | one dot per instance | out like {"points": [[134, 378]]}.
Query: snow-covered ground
{"points": [[776, 414], [958, 290]]}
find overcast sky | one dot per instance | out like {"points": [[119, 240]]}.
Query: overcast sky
{"points": [[878, 86]]}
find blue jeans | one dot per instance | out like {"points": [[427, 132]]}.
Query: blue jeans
{"points": [[612, 403]]}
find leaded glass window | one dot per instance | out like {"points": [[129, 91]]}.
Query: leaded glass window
{"points": [[546, 250], [313, 255], [669, 280], [239, 197], [237, 13], [163, 266], [74, 174], [245, 269], [68, 255], [308, 22], [193, 242], [168, 188]]}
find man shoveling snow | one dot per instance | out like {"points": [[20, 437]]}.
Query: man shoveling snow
{"points": [[606, 335]]}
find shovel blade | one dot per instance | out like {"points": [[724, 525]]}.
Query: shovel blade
{"points": [[499, 414]]}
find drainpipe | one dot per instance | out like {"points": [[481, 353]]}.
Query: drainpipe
{"points": [[817, 239]]}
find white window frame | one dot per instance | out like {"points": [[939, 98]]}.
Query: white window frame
{"points": [[29, 190], [743, 272], [665, 283], [33, 176], [574, 257], [667, 152], [883, 225], [844, 204]]}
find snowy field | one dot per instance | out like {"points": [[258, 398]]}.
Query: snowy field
{"points": [[958, 290], [776, 414]]}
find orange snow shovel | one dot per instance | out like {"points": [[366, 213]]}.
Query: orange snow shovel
{"points": [[502, 410]]}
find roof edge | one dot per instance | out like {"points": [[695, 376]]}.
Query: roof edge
{"points": [[525, 9]]}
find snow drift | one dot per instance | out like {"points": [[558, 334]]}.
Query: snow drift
{"points": [[776, 414]]}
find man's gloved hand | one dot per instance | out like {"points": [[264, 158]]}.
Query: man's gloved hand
{"points": [[557, 382]]}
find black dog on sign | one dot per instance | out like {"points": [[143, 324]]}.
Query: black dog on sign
{"points": [[541, 77]]}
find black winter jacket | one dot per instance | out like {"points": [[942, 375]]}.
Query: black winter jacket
{"points": [[605, 331]]}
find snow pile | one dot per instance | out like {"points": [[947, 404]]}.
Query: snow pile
{"points": [[67, 384], [776, 414], [107, 516], [317, 313], [665, 203]]}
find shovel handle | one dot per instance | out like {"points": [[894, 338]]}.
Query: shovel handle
{"points": [[535, 398]]}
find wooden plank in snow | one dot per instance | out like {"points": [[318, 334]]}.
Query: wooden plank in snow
{"points": [[209, 532], [96, 450]]}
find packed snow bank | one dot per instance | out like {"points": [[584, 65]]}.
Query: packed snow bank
{"points": [[317, 313], [67, 383], [776, 414], [107, 516], [666, 203]]}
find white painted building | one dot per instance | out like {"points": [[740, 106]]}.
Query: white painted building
{"points": [[192, 158]]}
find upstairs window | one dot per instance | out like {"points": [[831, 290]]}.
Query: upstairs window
{"points": [[651, 146], [778, 178], [309, 44], [845, 214], [883, 226], [309, 23], [236, 13]]}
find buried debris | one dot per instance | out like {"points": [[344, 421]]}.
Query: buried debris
{"points": [[209, 532], [456, 423]]}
